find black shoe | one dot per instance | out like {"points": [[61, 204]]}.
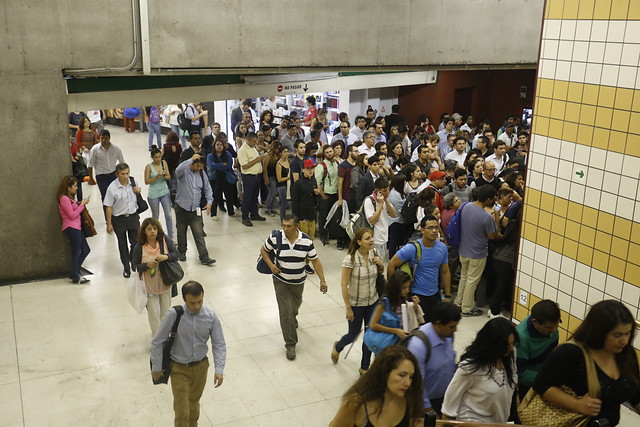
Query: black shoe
{"points": [[126, 273], [247, 222], [82, 281], [291, 353], [182, 257], [258, 218], [208, 261], [340, 246]]}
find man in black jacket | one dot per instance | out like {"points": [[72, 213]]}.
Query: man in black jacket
{"points": [[366, 184], [303, 199]]}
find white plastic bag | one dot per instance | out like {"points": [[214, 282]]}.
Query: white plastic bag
{"points": [[137, 293]]}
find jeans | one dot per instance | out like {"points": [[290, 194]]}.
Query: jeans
{"points": [[251, 184], [282, 194], [271, 197], [154, 204], [186, 219], [155, 128], [222, 188], [103, 182], [183, 138], [289, 298], [470, 275], [126, 226], [360, 315], [79, 250]]}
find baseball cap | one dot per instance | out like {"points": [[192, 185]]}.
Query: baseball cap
{"points": [[308, 163], [509, 124], [436, 175]]}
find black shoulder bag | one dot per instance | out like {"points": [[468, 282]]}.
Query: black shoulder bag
{"points": [[170, 271], [166, 348], [142, 203]]}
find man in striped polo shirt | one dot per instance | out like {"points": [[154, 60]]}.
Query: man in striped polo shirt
{"points": [[289, 275]]}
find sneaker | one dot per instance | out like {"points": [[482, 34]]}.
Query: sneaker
{"points": [[182, 257], [232, 214], [258, 218], [309, 269], [473, 313], [247, 222], [291, 353], [82, 281], [215, 218], [335, 356], [208, 261], [340, 246]]}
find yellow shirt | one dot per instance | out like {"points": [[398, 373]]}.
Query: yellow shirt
{"points": [[245, 155]]}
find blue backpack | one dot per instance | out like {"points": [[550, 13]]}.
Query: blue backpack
{"points": [[454, 229]]}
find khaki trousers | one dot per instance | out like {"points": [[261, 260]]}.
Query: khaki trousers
{"points": [[289, 299], [187, 385], [470, 275], [308, 228]]}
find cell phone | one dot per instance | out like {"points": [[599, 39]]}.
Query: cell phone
{"points": [[430, 419]]}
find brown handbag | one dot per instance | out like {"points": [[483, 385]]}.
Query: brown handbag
{"points": [[87, 224], [535, 411]]}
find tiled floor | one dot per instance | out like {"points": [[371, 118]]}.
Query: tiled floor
{"points": [[79, 355]]}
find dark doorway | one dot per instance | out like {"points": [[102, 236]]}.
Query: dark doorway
{"points": [[462, 99]]}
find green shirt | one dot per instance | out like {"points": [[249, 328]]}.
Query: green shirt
{"points": [[328, 181], [533, 349]]}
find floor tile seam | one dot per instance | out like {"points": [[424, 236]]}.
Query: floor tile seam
{"points": [[15, 342]]}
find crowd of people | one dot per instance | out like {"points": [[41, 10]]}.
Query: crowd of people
{"points": [[439, 209]]}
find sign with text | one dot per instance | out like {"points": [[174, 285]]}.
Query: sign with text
{"points": [[291, 88]]}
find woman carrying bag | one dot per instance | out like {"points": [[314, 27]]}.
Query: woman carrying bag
{"points": [[591, 375], [360, 269], [152, 249]]}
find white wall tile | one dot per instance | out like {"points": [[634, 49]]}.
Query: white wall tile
{"points": [[526, 265], [593, 74], [547, 68], [632, 32], [580, 51], [539, 270], [535, 179], [577, 192], [568, 266], [592, 197], [578, 308], [549, 184], [567, 150], [598, 279], [563, 188], [525, 282], [582, 154], [551, 166], [565, 50], [609, 75], [627, 77], [596, 52], [550, 49], [614, 286], [583, 272], [636, 213], [568, 29], [552, 278], [595, 295], [616, 31], [614, 161], [564, 301], [611, 182], [594, 177], [631, 166], [553, 147], [550, 293], [624, 207], [563, 69], [630, 54], [554, 260], [612, 53], [537, 287], [542, 254], [631, 294], [599, 30], [565, 283], [628, 187], [608, 202], [538, 145], [565, 169], [583, 29], [552, 28]]}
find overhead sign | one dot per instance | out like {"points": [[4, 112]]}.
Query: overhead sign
{"points": [[291, 88]]}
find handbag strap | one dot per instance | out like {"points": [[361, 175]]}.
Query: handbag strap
{"points": [[593, 383], [174, 329]]}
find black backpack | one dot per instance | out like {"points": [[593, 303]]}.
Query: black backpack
{"points": [[409, 211], [425, 339], [184, 122]]}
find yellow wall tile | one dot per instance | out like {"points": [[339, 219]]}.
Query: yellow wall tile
{"points": [[587, 235], [545, 89], [570, 10], [529, 231], [600, 261], [632, 274], [600, 138], [520, 312], [558, 108], [619, 9], [618, 142], [530, 214], [543, 237], [603, 117], [602, 9], [554, 9], [540, 126], [603, 241], [556, 242], [574, 322], [533, 300], [558, 224], [547, 201], [616, 267], [636, 101], [570, 249], [560, 89], [624, 98], [634, 10], [560, 206], [607, 96], [532, 197], [574, 93], [555, 128], [585, 135], [574, 211], [623, 228], [590, 217], [606, 222], [633, 145], [570, 132], [590, 94], [572, 112], [585, 254], [544, 220], [543, 107], [564, 317], [634, 253], [562, 336], [572, 230], [619, 247], [634, 126], [588, 115], [620, 120]]}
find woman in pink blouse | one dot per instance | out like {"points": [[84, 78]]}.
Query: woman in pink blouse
{"points": [[70, 210]]}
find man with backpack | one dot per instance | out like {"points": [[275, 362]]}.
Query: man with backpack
{"points": [[428, 259], [194, 113], [432, 344]]}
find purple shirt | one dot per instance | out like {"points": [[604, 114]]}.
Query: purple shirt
{"points": [[475, 226]]}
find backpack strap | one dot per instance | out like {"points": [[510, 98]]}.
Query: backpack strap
{"points": [[425, 340], [418, 246]]}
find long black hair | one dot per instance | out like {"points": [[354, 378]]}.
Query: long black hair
{"points": [[393, 290], [490, 345]]}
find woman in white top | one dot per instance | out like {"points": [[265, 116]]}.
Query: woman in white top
{"points": [[413, 173], [360, 270], [484, 384], [172, 112]]}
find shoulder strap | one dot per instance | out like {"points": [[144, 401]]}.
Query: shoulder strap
{"points": [[174, 329], [418, 256], [427, 343], [278, 234], [593, 383]]}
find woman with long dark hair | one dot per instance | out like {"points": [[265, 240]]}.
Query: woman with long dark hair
{"points": [[360, 269], [389, 394], [221, 177], [269, 173], [484, 383], [157, 177], [70, 210], [607, 334]]}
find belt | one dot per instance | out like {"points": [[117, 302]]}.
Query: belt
{"points": [[194, 363], [124, 216], [252, 174]]}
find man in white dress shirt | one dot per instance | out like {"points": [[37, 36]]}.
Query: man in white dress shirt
{"points": [[458, 154]]}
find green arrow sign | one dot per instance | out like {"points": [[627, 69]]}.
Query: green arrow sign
{"points": [[580, 174]]}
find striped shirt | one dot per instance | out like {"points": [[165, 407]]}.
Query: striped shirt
{"points": [[291, 261], [362, 283]]}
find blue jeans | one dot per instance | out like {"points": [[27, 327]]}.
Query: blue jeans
{"points": [[282, 194], [271, 197], [183, 138], [360, 315], [155, 128], [79, 250], [251, 185], [154, 204]]}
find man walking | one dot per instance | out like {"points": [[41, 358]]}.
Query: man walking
{"points": [[327, 178], [189, 362], [251, 168], [194, 195], [121, 211], [289, 275], [103, 158]]}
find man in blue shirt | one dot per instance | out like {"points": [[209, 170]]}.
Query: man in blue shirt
{"points": [[189, 353], [438, 370], [432, 268]]}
